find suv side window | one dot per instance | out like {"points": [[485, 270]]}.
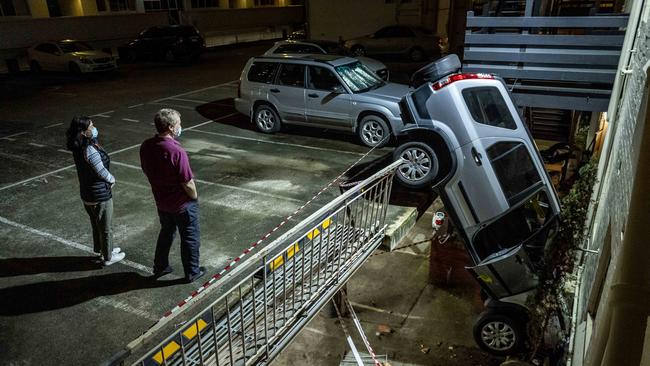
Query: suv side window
{"points": [[488, 107], [514, 168], [292, 75], [321, 78], [515, 227], [47, 48], [262, 72]]}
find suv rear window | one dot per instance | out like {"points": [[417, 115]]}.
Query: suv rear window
{"points": [[262, 72], [488, 107], [514, 168]]}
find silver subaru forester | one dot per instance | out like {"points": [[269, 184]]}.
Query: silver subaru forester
{"points": [[326, 91]]}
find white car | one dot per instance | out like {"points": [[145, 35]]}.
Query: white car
{"points": [[324, 47], [69, 55]]}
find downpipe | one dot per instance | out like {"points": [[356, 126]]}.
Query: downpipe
{"points": [[574, 315]]}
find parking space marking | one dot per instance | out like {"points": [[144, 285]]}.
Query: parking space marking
{"points": [[35, 144], [119, 305], [130, 120], [135, 105], [173, 105], [54, 125], [247, 190], [372, 308], [195, 91], [278, 143], [9, 137], [103, 114], [70, 243], [112, 153], [191, 100], [64, 151]]}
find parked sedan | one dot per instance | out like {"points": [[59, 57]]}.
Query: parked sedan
{"points": [[324, 47], [69, 55], [166, 43], [417, 43]]}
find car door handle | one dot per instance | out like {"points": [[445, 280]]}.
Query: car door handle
{"points": [[312, 95], [274, 90], [477, 157]]}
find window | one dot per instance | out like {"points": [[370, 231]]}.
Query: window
{"points": [[518, 226], [70, 47], [488, 107], [47, 48], [101, 5], [264, 2], [262, 72], [358, 78], [7, 8], [297, 48], [321, 78], [121, 5], [292, 75], [205, 4], [514, 168]]}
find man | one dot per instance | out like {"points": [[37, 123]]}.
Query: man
{"points": [[167, 167]]}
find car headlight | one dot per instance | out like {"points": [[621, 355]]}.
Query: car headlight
{"points": [[85, 61]]}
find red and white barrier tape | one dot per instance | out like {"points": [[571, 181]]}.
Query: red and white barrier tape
{"points": [[234, 262], [357, 323]]}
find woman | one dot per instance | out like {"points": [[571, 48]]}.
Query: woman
{"points": [[95, 185]]}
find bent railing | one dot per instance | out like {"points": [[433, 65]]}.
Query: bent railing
{"points": [[269, 297]]}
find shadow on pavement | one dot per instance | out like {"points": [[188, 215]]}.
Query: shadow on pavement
{"points": [[29, 266], [51, 295]]}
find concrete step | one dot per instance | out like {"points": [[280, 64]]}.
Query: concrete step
{"points": [[400, 221]]}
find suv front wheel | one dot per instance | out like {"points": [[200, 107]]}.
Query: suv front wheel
{"points": [[266, 120], [420, 165], [373, 131]]}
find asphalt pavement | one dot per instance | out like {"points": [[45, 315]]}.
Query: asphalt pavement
{"points": [[57, 306]]}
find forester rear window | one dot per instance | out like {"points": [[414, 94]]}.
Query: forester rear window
{"points": [[514, 169], [488, 107], [262, 72]]}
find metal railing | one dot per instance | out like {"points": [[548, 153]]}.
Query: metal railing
{"points": [[272, 295]]}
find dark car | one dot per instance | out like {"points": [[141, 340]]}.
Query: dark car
{"points": [[166, 43]]}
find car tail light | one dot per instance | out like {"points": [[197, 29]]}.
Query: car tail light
{"points": [[442, 83]]}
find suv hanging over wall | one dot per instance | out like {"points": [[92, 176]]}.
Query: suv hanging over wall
{"points": [[464, 136]]}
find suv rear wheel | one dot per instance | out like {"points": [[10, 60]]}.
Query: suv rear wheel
{"points": [[499, 333], [373, 131], [358, 51], [266, 119], [420, 164]]}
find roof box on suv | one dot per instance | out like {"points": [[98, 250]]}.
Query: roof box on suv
{"points": [[436, 70]]}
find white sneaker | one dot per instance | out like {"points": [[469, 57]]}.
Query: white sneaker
{"points": [[115, 251], [116, 257]]}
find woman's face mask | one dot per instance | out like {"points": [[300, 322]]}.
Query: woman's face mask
{"points": [[95, 133]]}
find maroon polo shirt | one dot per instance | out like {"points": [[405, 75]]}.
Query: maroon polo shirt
{"points": [[167, 167]]}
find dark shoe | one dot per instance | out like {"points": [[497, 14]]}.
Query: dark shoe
{"points": [[165, 271], [196, 276]]}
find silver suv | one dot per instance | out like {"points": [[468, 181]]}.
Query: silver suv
{"points": [[327, 91], [464, 136]]}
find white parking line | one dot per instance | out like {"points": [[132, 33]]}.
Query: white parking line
{"points": [[130, 120], [54, 125], [247, 190], [135, 105], [279, 143], [64, 151], [103, 114], [71, 243], [35, 144], [173, 105], [112, 153], [372, 308], [191, 100], [14, 135], [195, 91]]}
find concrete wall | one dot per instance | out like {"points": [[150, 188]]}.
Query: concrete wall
{"points": [[331, 19], [25, 32], [609, 217], [228, 20]]}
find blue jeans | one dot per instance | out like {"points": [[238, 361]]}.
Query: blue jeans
{"points": [[187, 223]]}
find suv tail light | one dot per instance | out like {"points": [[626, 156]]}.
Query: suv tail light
{"points": [[442, 83]]}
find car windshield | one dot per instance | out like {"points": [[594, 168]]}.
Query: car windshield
{"points": [[69, 47], [358, 78]]}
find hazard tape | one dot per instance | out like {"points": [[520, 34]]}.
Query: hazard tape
{"points": [[356, 321], [238, 259]]}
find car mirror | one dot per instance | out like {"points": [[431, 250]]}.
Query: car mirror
{"points": [[338, 89]]}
